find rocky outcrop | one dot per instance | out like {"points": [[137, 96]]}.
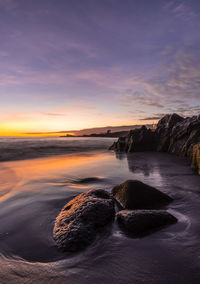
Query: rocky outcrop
{"points": [[182, 135], [195, 157], [134, 194], [141, 139], [174, 134], [120, 145], [164, 129], [142, 222], [82, 218]]}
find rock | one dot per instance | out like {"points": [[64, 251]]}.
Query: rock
{"points": [[120, 145], [134, 194], [141, 139], [195, 157], [168, 121], [82, 218], [174, 134], [164, 128], [184, 136], [113, 146], [89, 180], [142, 222]]}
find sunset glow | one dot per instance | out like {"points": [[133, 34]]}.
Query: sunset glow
{"points": [[99, 141], [75, 65]]}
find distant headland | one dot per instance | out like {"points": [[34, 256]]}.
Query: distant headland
{"points": [[107, 131]]}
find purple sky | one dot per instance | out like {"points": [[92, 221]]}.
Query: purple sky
{"points": [[70, 64]]}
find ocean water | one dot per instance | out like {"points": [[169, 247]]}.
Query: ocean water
{"points": [[34, 188], [26, 148]]}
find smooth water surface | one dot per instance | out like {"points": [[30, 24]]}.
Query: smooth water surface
{"points": [[33, 191]]}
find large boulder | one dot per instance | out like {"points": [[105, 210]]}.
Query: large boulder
{"points": [[168, 121], [184, 135], [120, 145], [195, 157], [82, 218], [134, 194], [164, 128], [141, 139], [142, 222], [178, 135], [174, 134]]}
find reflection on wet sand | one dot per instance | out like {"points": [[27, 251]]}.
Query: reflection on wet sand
{"points": [[33, 192], [142, 165], [15, 175], [8, 181], [158, 168]]}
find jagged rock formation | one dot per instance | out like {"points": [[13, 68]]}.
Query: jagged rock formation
{"points": [[174, 134], [164, 130], [134, 194], [82, 218], [141, 139], [142, 222], [195, 156]]}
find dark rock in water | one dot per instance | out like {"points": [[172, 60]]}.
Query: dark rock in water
{"points": [[82, 218], [180, 135], [195, 156], [89, 180], [120, 145], [113, 146], [185, 140], [164, 128], [141, 139], [174, 134], [134, 194], [142, 222], [168, 121], [184, 136]]}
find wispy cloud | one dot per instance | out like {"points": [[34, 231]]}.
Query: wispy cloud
{"points": [[181, 10], [140, 98], [179, 78], [84, 62], [174, 83]]}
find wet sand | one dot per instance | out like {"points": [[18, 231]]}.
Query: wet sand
{"points": [[33, 191]]}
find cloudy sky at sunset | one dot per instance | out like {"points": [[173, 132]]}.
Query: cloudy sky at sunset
{"points": [[72, 64]]}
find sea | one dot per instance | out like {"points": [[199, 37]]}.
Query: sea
{"points": [[38, 176]]}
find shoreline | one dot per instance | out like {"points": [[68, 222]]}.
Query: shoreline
{"points": [[23, 149], [33, 192], [41, 187]]}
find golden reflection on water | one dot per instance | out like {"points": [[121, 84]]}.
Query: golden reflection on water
{"points": [[15, 174], [39, 166], [8, 181]]}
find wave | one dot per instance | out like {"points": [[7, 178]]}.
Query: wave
{"points": [[28, 148]]}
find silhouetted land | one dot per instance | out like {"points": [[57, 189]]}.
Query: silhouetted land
{"points": [[107, 134]]}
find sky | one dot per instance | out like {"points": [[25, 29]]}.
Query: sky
{"points": [[72, 64]]}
